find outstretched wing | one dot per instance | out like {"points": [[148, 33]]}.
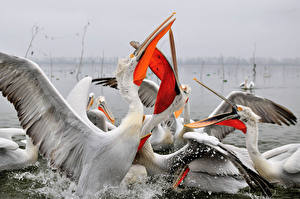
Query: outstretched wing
{"points": [[269, 111], [61, 134]]}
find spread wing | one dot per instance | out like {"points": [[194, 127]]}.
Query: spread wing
{"points": [[147, 91], [52, 124], [269, 111]]}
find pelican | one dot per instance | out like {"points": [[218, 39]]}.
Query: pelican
{"points": [[97, 117], [210, 167], [278, 165], [11, 156], [69, 140], [101, 106], [247, 85]]}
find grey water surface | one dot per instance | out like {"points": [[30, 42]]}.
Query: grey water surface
{"points": [[278, 83]]}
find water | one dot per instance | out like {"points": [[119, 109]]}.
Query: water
{"points": [[278, 83]]}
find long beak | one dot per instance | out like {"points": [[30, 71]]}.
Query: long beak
{"points": [[104, 108], [225, 119], [181, 176], [145, 50], [90, 102]]}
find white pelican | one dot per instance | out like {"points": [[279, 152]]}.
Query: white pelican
{"points": [[211, 167], [101, 106], [247, 85], [278, 165], [11, 156], [69, 140]]}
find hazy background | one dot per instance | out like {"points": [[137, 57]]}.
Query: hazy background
{"points": [[202, 28]]}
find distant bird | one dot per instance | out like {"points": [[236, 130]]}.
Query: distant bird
{"points": [[11, 155], [69, 140], [247, 85]]}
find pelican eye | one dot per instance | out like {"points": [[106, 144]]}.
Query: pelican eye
{"points": [[239, 108]]}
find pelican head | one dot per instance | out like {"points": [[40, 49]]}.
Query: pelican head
{"points": [[90, 101], [102, 106]]}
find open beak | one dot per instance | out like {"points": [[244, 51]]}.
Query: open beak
{"points": [[90, 102], [145, 51], [226, 119], [104, 108]]}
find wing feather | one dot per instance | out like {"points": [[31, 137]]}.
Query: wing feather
{"points": [[61, 134], [269, 111]]}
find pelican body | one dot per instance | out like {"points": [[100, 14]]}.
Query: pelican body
{"points": [[11, 156], [280, 165]]}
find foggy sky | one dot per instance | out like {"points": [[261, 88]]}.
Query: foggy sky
{"points": [[202, 28]]}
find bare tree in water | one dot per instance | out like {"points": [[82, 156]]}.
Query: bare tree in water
{"points": [[34, 32], [82, 50]]}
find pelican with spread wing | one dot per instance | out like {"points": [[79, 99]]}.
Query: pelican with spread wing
{"points": [[67, 138], [244, 111]]}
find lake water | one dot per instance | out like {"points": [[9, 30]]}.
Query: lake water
{"points": [[278, 83]]}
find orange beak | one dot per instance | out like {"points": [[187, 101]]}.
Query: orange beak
{"points": [[181, 176], [146, 49], [143, 141], [104, 108], [226, 119], [178, 112]]}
